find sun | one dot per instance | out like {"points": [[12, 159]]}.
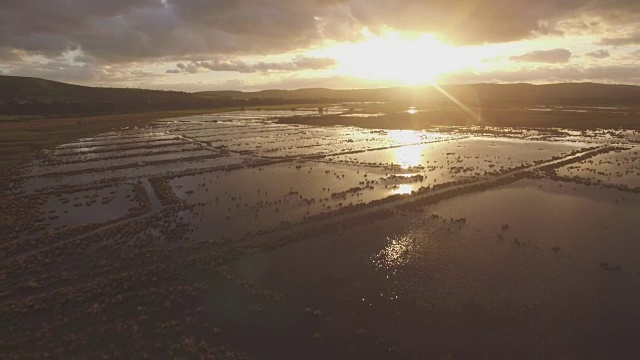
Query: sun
{"points": [[408, 60]]}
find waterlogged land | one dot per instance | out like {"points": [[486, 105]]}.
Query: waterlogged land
{"points": [[238, 236]]}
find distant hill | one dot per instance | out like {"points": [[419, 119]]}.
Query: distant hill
{"points": [[25, 95], [515, 94], [34, 96], [35, 88], [309, 93]]}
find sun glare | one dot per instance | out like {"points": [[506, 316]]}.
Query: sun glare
{"points": [[392, 57], [406, 156], [404, 137], [402, 189]]}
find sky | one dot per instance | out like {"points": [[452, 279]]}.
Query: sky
{"points": [[198, 45]]}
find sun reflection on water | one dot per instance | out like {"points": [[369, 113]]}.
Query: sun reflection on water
{"points": [[406, 156], [404, 137], [402, 189], [409, 156], [395, 253]]}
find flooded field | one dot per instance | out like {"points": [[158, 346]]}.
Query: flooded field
{"points": [[236, 236]]}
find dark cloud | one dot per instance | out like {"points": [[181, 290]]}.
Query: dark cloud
{"points": [[481, 21], [136, 30], [297, 64], [545, 56], [598, 54], [48, 28], [133, 30]]}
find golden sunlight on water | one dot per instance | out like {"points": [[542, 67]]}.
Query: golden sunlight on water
{"points": [[404, 137], [394, 254], [401, 189], [406, 156]]}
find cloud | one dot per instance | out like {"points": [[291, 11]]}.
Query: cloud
{"points": [[545, 56], [111, 38], [190, 68], [632, 39], [627, 73], [91, 73], [8, 55], [136, 30], [313, 63], [142, 30], [486, 21], [598, 54], [297, 64]]}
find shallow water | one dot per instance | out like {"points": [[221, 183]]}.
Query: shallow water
{"points": [[88, 207], [537, 283], [617, 168], [294, 241]]}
